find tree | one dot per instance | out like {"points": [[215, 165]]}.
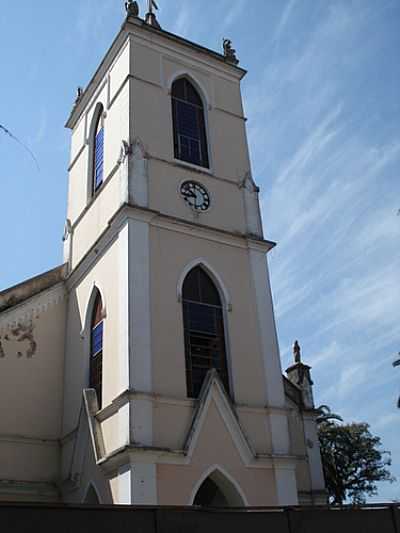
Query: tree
{"points": [[351, 459]]}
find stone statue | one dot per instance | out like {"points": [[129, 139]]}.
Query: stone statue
{"points": [[297, 352], [132, 8], [229, 52], [79, 93]]}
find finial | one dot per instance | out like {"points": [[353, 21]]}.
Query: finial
{"points": [[132, 8], [297, 352], [229, 52], [79, 93], [151, 18]]}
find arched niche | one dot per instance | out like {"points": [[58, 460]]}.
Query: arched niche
{"points": [[91, 496], [217, 489]]}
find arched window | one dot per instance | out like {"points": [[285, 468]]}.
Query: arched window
{"points": [[204, 331], [96, 156], [96, 349], [190, 139]]}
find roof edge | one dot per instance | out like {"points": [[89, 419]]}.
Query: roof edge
{"points": [[31, 287]]}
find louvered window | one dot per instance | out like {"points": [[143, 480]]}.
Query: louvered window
{"points": [[98, 158], [204, 331], [96, 350], [190, 140]]}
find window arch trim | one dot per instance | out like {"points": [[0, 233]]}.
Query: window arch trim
{"points": [[85, 332], [196, 84], [215, 277]]}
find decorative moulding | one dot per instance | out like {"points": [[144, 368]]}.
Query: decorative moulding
{"points": [[223, 291]]}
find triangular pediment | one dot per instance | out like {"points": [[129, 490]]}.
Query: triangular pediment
{"points": [[214, 397]]}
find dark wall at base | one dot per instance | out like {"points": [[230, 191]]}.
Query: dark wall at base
{"points": [[25, 518]]}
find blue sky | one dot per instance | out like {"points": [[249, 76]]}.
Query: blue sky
{"points": [[323, 108]]}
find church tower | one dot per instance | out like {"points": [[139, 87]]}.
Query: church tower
{"points": [[170, 328]]}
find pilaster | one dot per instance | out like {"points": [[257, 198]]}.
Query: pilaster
{"points": [[136, 484], [267, 329]]}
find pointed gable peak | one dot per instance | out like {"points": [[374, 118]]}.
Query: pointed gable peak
{"points": [[213, 392]]}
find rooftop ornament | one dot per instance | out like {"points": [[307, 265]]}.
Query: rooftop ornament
{"points": [[297, 352], [132, 8], [79, 94], [151, 18], [229, 52], [395, 364]]}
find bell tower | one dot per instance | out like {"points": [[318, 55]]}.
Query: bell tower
{"points": [[170, 329]]}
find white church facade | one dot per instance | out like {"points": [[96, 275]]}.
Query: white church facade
{"points": [[146, 368]]}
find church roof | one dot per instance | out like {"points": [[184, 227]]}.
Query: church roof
{"points": [[31, 287]]}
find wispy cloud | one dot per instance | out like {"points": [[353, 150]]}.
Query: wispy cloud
{"points": [[92, 18], [231, 14], [287, 10], [331, 193], [41, 128], [183, 23]]}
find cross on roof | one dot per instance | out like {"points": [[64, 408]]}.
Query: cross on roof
{"points": [[152, 4]]}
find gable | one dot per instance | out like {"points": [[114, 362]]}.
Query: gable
{"points": [[215, 424]]}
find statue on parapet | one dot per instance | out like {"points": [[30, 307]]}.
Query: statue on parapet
{"points": [[79, 94], [229, 52], [132, 8], [297, 352]]}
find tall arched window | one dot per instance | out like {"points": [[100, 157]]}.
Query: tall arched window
{"points": [[96, 349], [190, 139], [96, 151], [204, 331]]}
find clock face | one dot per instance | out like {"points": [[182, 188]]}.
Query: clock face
{"points": [[195, 195]]}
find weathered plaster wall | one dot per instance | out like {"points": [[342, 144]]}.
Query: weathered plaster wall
{"points": [[31, 387]]}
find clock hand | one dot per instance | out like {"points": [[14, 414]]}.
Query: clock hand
{"points": [[199, 198]]}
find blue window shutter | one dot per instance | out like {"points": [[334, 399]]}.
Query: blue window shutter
{"points": [[98, 159], [97, 339]]}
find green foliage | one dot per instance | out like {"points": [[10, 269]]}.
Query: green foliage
{"points": [[351, 459]]}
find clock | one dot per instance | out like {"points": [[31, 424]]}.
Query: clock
{"points": [[195, 195]]}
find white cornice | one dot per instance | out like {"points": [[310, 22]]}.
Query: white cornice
{"points": [[156, 219], [111, 409], [214, 62]]}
